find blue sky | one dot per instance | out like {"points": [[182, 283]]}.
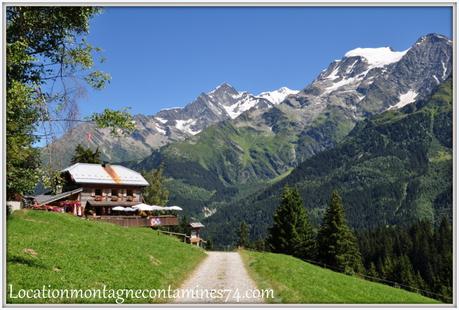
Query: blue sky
{"points": [[165, 57]]}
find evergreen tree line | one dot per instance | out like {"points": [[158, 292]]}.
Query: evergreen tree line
{"points": [[418, 258], [334, 245]]}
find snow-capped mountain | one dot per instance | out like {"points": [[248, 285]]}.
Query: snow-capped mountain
{"points": [[364, 82], [168, 125], [263, 143], [222, 103], [376, 79]]}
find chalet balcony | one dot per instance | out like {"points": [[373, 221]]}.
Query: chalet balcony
{"points": [[116, 198]]}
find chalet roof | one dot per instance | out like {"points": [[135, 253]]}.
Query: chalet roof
{"points": [[196, 225], [105, 174], [45, 199]]}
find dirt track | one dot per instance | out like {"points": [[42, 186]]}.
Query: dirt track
{"points": [[223, 273]]}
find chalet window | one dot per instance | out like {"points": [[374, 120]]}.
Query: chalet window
{"points": [[98, 192], [130, 192], [114, 192]]}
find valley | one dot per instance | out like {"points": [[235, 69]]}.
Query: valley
{"points": [[230, 150], [230, 154]]}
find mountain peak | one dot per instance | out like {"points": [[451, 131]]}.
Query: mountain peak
{"points": [[433, 38], [224, 88]]}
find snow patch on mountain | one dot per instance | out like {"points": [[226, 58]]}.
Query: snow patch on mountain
{"points": [[444, 70], [351, 67], [241, 106], [161, 120], [277, 96], [333, 75], [159, 129], [246, 101], [173, 108], [185, 126], [339, 84], [377, 57], [404, 99]]}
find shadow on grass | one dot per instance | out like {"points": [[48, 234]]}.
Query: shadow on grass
{"points": [[16, 259]]}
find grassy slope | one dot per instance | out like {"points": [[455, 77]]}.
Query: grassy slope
{"points": [[76, 253], [295, 281]]}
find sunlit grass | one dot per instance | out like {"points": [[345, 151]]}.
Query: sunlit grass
{"points": [[64, 251], [295, 281]]}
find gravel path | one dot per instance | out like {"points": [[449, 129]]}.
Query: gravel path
{"points": [[224, 274]]}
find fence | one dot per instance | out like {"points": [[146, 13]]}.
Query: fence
{"points": [[185, 238], [138, 221]]}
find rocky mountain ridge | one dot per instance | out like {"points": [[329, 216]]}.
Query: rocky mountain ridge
{"points": [[166, 126], [266, 142]]}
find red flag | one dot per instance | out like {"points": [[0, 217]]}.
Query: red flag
{"points": [[89, 136]]}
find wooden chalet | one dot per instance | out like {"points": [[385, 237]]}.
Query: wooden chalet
{"points": [[95, 189], [104, 186]]}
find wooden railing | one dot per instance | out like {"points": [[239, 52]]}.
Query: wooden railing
{"points": [[115, 198], [135, 221], [184, 237]]}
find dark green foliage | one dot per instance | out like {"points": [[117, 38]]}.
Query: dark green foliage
{"points": [[33, 34], [86, 155], [155, 193], [184, 225], [418, 257], [259, 245], [243, 234], [231, 161], [392, 169], [336, 244], [209, 245], [291, 233], [47, 46]]}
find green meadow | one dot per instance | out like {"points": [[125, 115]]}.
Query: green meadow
{"points": [[62, 251], [297, 282]]}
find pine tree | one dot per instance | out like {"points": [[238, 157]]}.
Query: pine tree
{"points": [[291, 233], [444, 259], [404, 272], [387, 269], [337, 245], [209, 245], [86, 155], [372, 271], [424, 250], [243, 234], [259, 245], [156, 193], [183, 225]]}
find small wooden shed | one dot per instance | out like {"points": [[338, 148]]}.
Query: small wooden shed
{"points": [[195, 238]]}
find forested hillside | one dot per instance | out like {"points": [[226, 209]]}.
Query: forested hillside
{"points": [[393, 169], [236, 157]]}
